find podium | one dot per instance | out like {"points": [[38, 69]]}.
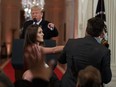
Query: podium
{"points": [[50, 43], [17, 58], [18, 53]]}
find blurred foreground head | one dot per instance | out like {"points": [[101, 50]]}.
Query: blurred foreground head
{"points": [[89, 77]]}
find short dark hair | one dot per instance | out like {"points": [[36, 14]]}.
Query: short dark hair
{"points": [[89, 77], [95, 26]]}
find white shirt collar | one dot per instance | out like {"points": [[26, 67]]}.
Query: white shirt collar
{"points": [[98, 39], [39, 21]]}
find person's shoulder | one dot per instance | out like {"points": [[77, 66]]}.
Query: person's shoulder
{"points": [[70, 41], [76, 39], [38, 82], [103, 49], [28, 22], [22, 82], [45, 21]]}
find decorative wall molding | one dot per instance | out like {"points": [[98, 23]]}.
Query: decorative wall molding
{"points": [[69, 19], [111, 25], [0, 26]]}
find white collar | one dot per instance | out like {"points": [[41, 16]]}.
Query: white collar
{"points": [[39, 21], [98, 39]]}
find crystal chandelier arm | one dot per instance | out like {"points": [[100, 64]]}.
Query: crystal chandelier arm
{"points": [[28, 4]]}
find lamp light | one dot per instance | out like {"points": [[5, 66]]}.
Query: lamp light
{"points": [[28, 4]]}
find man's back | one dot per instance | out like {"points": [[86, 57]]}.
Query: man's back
{"points": [[79, 53]]}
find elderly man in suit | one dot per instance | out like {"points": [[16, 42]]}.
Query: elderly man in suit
{"points": [[49, 29]]}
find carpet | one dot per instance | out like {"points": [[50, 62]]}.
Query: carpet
{"points": [[9, 71], [58, 73]]}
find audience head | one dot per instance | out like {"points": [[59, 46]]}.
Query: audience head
{"points": [[23, 83], [2, 84], [34, 34], [89, 77], [95, 27], [36, 12], [38, 82]]}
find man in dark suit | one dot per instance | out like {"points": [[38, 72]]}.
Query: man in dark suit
{"points": [[49, 30], [81, 52]]}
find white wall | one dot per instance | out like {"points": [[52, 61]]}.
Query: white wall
{"points": [[85, 11], [0, 25], [111, 25]]}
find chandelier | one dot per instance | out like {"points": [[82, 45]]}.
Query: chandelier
{"points": [[27, 4]]}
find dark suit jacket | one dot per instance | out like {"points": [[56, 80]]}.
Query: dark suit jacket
{"points": [[48, 34], [79, 53]]}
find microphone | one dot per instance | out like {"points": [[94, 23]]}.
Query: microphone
{"points": [[34, 21]]}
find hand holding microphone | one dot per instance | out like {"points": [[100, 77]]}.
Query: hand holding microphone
{"points": [[51, 26]]}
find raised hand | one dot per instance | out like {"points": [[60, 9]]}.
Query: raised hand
{"points": [[51, 26]]}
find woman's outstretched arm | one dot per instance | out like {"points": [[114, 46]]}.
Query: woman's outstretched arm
{"points": [[48, 50]]}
